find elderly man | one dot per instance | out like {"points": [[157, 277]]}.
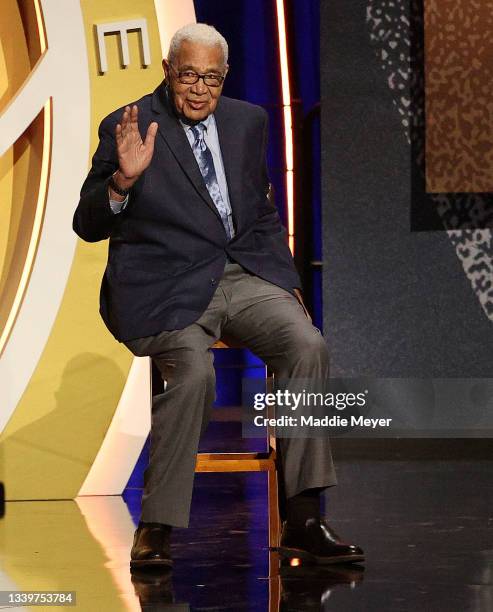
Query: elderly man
{"points": [[197, 252]]}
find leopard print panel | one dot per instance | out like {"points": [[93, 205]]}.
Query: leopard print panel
{"points": [[392, 27]]}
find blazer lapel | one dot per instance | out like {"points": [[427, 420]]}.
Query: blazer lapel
{"points": [[228, 141], [174, 134]]}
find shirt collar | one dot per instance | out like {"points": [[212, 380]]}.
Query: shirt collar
{"points": [[206, 122]]}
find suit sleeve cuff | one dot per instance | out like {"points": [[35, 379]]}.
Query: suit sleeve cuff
{"points": [[117, 207]]}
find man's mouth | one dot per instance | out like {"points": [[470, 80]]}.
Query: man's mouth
{"points": [[196, 104]]}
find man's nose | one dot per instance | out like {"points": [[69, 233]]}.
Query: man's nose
{"points": [[199, 87]]}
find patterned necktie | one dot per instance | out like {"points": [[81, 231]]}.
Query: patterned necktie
{"points": [[203, 156]]}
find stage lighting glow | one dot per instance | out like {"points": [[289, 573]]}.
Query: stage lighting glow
{"points": [[288, 119]]}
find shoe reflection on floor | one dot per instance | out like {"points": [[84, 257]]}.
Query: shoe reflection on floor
{"points": [[300, 587], [154, 588], [308, 587]]}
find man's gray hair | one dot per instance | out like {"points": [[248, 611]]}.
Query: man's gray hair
{"points": [[198, 33]]}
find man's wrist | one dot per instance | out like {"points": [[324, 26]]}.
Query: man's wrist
{"points": [[119, 186], [123, 182]]}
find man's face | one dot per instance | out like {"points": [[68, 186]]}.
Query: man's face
{"points": [[197, 101]]}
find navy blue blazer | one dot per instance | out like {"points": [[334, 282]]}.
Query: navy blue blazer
{"points": [[167, 249]]}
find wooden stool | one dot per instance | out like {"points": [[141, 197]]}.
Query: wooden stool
{"points": [[251, 462]]}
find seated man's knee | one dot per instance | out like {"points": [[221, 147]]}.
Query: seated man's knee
{"points": [[311, 346], [191, 368], [200, 372]]}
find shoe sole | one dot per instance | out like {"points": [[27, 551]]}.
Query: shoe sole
{"points": [[304, 555], [151, 562]]}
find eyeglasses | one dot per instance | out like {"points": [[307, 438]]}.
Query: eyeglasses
{"points": [[189, 77]]}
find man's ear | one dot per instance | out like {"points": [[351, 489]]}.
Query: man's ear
{"points": [[166, 69]]}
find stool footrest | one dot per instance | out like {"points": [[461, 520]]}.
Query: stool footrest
{"points": [[235, 462]]}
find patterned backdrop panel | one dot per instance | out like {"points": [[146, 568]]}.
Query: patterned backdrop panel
{"points": [[408, 274], [459, 106], [398, 31]]}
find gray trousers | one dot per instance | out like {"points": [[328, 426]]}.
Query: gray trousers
{"points": [[270, 322]]}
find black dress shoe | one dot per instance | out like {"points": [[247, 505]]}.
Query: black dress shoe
{"points": [[317, 543], [151, 546]]}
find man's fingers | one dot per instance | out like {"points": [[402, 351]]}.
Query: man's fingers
{"points": [[125, 120], [129, 128], [134, 114], [126, 114], [151, 134]]}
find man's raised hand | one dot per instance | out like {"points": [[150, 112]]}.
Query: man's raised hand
{"points": [[134, 156]]}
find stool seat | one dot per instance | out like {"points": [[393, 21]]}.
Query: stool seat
{"points": [[220, 344]]}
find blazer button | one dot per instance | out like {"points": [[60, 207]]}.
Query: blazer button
{"points": [[213, 281]]}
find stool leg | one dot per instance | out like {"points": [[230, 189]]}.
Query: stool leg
{"points": [[273, 494], [274, 522]]}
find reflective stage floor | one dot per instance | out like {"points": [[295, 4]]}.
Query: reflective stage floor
{"points": [[425, 524]]}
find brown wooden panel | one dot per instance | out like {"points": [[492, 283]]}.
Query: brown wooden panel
{"points": [[459, 105]]}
